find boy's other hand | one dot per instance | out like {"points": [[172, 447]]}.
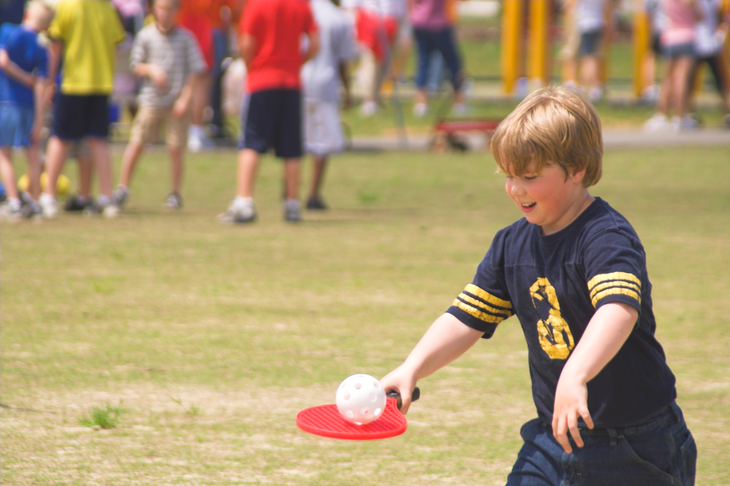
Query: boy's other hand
{"points": [[179, 108], [571, 402], [158, 76]]}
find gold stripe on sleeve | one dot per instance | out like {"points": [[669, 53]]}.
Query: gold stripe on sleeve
{"points": [[487, 297], [482, 316], [605, 277], [616, 291], [484, 307], [598, 288]]}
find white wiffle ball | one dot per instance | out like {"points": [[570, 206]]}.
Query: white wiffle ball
{"points": [[360, 399]]}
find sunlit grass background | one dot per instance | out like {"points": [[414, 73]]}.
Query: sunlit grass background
{"points": [[211, 338]]}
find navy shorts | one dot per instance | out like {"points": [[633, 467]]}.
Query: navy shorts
{"points": [[79, 116], [659, 451], [272, 118], [590, 42]]}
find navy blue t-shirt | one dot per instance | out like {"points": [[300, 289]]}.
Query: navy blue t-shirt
{"points": [[554, 284]]}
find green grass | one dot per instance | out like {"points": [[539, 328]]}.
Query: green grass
{"points": [[214, 337]]}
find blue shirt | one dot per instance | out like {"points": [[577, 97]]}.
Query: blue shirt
{"points": [[23, 49], [554, 284]]}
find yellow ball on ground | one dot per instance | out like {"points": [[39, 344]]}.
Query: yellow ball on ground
{"points": [[63, 184]]}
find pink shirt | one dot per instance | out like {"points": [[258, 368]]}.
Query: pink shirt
{"points": [[682, 22], [429, 14]]}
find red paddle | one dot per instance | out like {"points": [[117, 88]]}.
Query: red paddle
{"points": [[326, 421]]}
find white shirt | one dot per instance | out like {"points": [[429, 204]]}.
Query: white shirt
{"points": [[320, 76]]}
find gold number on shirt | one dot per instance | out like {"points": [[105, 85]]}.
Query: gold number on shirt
{"points": [[552, 330]]}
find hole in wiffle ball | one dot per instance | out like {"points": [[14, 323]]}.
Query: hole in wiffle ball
{"points": [[364, 410], [377, 412], [346, 396], [376, 384], [372, 397], [349, 413], [358, 385]]}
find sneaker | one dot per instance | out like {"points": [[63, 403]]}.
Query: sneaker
{"points": [[31, 210], [420, 110], [657, 123], [688, 122], [76, 203], [120, 195], [109, 211], [369, 108], [9, 212], [173, 201], [198, 141], [460, 109], [240, 215], [315, 203], [49, 207], [292, 211]]}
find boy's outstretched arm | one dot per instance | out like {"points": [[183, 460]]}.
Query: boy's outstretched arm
{"points": [[607, 331], [446, 339]]}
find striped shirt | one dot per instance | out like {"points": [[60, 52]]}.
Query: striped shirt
{"points": [[177, 53]]}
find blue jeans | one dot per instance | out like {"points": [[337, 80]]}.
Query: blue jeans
{"points": [[660, 451], [442, 41]]}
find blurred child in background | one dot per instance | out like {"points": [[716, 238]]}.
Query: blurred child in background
{"points": [[322, 79], [84, 35], [169, 61], [23, 75]]}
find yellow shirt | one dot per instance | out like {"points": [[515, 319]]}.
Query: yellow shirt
{"points": [[89, 31]]}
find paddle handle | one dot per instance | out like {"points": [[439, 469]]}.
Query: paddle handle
{"points": [[415, 395]]}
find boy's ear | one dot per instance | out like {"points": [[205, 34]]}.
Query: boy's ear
{"points": [[576, 175]]}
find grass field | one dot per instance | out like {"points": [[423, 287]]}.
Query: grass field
{"points": [[204, 341]]}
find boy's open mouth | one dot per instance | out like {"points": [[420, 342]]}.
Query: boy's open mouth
{"points": [[528, 206]]}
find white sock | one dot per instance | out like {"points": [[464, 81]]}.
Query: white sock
{"points": [[14, 203], [104, 200], [46, 199], [291, 203], [240, 203]]}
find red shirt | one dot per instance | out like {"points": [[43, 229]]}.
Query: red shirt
{"points": [[277, 26]]}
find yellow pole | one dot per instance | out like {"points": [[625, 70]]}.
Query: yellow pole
{"points": [[511, 43], [537, 65], [641, 47]]}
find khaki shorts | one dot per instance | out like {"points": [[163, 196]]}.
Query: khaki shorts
{"points": [[146, 127]]}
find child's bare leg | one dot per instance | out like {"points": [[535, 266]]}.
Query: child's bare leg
{"points": [[129, 162], [177, 165], [320, 164], [102, 157], [591, 68], [55, 158], [292, 171], [679, 82], [664, 94], [32, 153], [248, 164], [7, 172], [86, 168]]}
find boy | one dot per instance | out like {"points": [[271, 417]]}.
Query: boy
{"points": [[574, 272], [321, 78], [23, 74], [167, 58], [84, 34], [271, 31]]}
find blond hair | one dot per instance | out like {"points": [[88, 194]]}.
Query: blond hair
{"points": [[554, 125], [40, 12]]}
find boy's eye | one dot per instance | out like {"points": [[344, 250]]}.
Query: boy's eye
{"points": [[530, 177]]}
